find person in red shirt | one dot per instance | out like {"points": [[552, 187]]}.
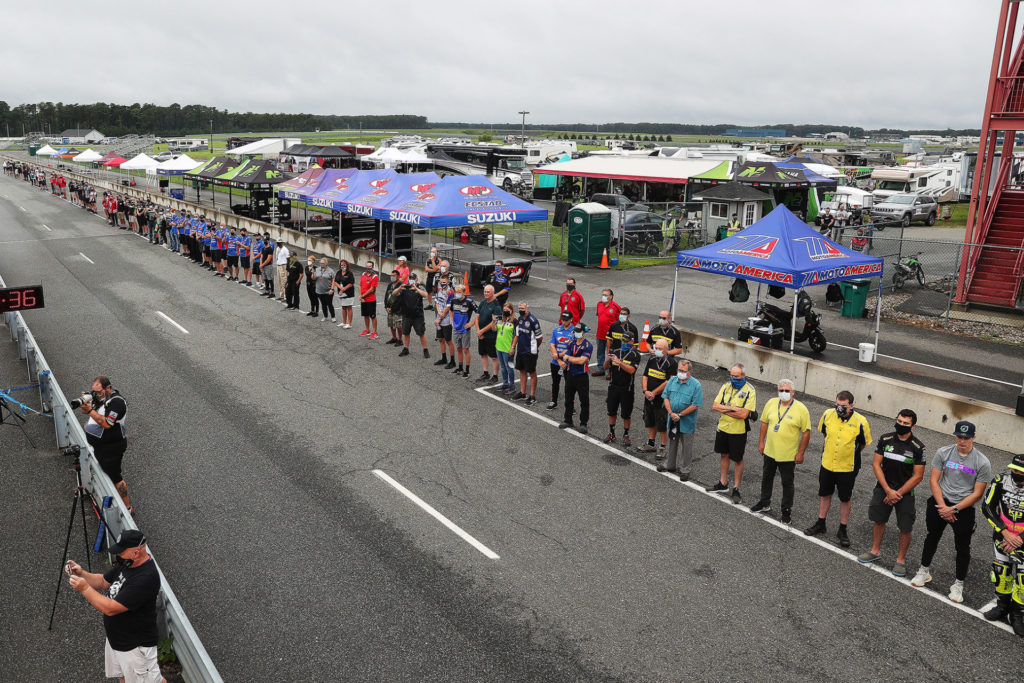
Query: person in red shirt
{"points": [[368, 299], [572, 301], [607, 315], [403, 270]]}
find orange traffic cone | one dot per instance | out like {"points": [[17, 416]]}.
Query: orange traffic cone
{"points": [[604, 261], [644, 348]]}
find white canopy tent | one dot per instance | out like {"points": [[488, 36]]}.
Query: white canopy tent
{"points": [[175, 166], [264, 148], [86, 156], [45, 151], [140, 162]]}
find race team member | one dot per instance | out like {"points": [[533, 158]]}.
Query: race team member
{"points": [[561, 337], [577, 378], [659, 369], [486, 325], [618, 329], [785, 433], [126, 595], [499, 280], [244, 250], [847, 433], [622, 366], [232, 255], [443, 323], [683, 396], [572, 301], [665, 330], [393, 306], [412, 297], [958, 480], [462, 309], [607, 315], [267, 265], [1003, 507], [525, 346], [105, 431], [735, 401], [368, 282], [899, 467]]}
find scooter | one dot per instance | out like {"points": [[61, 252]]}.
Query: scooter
{"points": [[908, 268], [777, 318]]}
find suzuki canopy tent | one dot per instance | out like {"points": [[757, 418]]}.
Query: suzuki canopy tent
{"points": [[366, 190], [332, 186], [407, 192], [465, 200], [782, 250], [302, 184]]}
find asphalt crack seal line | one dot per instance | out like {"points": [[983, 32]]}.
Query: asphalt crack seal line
{"points": [[977, 614]]}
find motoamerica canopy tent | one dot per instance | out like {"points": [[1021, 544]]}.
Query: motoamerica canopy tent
{"points": [[782, 250]]}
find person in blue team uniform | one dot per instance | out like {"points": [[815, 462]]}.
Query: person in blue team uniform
{"points": [[525, 346], [577, 378], [561, 336]]}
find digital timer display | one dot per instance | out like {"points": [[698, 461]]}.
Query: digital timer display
{"points": [[21, 298]]}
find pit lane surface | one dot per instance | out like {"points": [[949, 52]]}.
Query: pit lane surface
{"points": [[253, 443]]}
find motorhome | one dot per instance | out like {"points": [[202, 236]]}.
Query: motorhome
{"points": [[503, 166], [545, 151], [187, 144], [941, 181]]}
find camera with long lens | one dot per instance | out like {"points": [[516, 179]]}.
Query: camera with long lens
{"points": [[92, 397], [73, 451]]}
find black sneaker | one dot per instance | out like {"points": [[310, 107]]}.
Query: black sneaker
{"points": [[530, 401], [552, 405], [817, 528], [719, 487], [564, 425], [494, 378], [582, 429], [404, 352], [426, 353], [443, 361], [647, 448], [736, 498], [844, 540], [661, 468], [519, 396], [786, 518], [761, 506], [458, 371], [451, 364], [611, 439], [466, 373], [484, 377], [312, 314]]}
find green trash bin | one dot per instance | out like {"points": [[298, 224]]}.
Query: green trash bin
{"points": [[855, 298]]}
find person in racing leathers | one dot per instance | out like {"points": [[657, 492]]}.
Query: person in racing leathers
{"points": [[1003, 507]]}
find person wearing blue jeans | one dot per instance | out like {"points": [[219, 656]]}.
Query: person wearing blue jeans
{"points": [[506, 330]]}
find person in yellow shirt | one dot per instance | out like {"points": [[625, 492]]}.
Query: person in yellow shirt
{"points": [[736, 400], [785, 433], [846, 434]]}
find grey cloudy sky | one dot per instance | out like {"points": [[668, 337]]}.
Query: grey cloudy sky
{"points": [[903, 63]]}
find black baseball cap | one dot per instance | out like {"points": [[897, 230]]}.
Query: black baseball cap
{"points": [[580, 327], [129, 538], [965, 429], [412, 276], [566, 315], [1017, 465]]}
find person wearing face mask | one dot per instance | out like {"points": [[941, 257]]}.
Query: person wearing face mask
{"points": [[463, 312], [291, 290], [487, 316], [345, 285], [667, 332], [577, 380], [525, 346], [499, 280], [433, 267], [126, 596], [505, 332], [622, 367], [785, 433], [899, 467], [847, 433], [412, 297], [324, 276], [1003, 507], [607, 315], [619, 329], [683, 396], [960, 473], [314, 300], [368, 283], [561, 337], [442, 299], [735, 401], [660, 368], [572, 301], [393, 305]]}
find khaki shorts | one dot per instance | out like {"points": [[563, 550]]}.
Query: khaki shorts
{"points": [[135, 666]]}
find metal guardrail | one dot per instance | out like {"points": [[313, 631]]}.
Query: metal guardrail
{"points": [[195, 663]]}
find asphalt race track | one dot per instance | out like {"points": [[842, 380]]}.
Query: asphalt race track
{"points": [[254, 441]]}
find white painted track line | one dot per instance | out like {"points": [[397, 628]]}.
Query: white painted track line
{"points": [[977, 614], [87, 258], [490, 554], [933, 367], [46, 227], [168, 319]]}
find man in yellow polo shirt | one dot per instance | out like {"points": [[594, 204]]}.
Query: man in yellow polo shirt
{"points": [[846, 434], [735, 401], [785, 433]]}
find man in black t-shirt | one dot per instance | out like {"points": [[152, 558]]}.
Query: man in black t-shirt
{"points": [[665, 330], [106, 433], [622, 365], [291, 291], [899, 468], [412, 296], [126, 595], [659, 369]]}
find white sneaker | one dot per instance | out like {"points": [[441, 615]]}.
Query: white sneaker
{"points": [[347, 326], [341, 325], [956, 592], [923, 576], [334, 320]]}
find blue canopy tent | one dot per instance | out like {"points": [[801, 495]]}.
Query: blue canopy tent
{"points": [[328, 191], [782, 250]]}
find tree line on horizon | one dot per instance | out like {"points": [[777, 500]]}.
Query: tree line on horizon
{"points": [[120, 119]]}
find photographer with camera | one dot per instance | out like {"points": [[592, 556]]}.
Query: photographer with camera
{"points": [[105, 430], [126, 595]]}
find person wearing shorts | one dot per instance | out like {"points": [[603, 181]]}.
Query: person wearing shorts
{"points": [[244, 245], [368, 300], [525, 346], [232, 255], [463, 309], [659, 369], [899, 467], [412, 297], [846, 432], [345, 286], [736, 400], [486, 325], [622, 366], [442, 305]]}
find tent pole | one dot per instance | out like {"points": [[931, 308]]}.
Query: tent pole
{"points": [[675, 285], [305, 225], [878, 318], [757, 300], [792, 334]]}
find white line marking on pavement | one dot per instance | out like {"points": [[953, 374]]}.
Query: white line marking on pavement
{"points": [[977, 614], [22, 208], [438, 516], [87, 258], [168, 319], [934, 367], [47, 227]]}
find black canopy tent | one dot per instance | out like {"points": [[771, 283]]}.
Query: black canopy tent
{"points": [[204, 175], [790, 185], [258, 178]]}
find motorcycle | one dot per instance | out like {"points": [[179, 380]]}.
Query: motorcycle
{"points": [[777, 318], [907, 269]]}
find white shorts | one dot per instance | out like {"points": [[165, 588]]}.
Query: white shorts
{"points": [[135, 666], [347, 301]]}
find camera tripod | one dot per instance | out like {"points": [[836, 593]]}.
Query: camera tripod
{"points": [[12, 418], [77, 504]]}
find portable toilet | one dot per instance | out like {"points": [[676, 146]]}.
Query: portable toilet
{"points": [[590, 227], [33, 148]]}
